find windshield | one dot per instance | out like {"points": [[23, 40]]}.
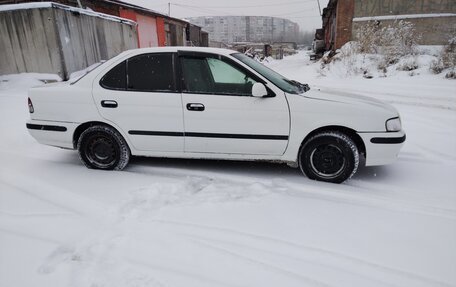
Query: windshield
{"points": [[277, 79]]}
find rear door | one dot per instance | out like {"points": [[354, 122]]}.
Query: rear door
{"points": [[221, 115], [140, 96]]}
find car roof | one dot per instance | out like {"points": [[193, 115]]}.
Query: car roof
{"points": [[220, 51]]}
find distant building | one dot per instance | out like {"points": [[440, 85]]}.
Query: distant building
{"points": [[434, 20], [230, 29]]}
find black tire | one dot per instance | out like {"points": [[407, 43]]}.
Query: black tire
{"points": [[102, 147], [329, 156]]}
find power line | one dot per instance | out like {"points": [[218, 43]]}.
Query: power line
{"points": [[291, 13], [319, 7], [246, 6], [214, 12], [204, 10]]}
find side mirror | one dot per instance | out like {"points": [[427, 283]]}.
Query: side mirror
{"points": [[259, 90]]}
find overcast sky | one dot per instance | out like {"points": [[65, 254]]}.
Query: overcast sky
{"points": [[303, 12]]}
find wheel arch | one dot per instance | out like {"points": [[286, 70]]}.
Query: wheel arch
{"points": [[348, 131], [82, 127]]}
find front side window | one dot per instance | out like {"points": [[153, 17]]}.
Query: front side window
{"points": [[214, 76]]}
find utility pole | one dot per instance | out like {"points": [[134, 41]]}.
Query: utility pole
{"points": [[319, 7], [169, 9]]}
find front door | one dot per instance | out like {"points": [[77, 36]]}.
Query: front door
{"points": [[221, 115], [140, 96]]}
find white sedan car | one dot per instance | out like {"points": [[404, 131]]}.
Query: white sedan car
{"points": [[186, 102]]}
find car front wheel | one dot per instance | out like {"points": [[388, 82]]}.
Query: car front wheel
{"points": [[329, 156], [102, 147]]}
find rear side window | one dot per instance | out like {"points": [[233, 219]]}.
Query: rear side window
{"points": [[151, 72], [143, 73], [116, 78]]}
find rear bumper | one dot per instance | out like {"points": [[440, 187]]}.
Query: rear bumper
{"points": [[59, 134], [382, 148]]}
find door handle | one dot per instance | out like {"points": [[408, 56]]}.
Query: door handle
{"points": [[195, 107], [109, 104]]}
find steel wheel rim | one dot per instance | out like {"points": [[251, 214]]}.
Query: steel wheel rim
{"points": [[101, 151], [327, 161]]}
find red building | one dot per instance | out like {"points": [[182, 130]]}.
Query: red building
{"points": [[337, 23]]}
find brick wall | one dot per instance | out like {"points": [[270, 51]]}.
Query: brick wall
{"points": [[345, 12]]}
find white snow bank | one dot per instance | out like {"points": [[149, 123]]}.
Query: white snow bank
{"points": [[349, 63], [26, 80]]}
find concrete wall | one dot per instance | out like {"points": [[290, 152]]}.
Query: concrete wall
{"points": [[29, 42], [59, 41], [365, 8], [433, 30]]}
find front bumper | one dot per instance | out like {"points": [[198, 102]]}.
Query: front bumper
{"points": [[382, 148], [59, 134]]}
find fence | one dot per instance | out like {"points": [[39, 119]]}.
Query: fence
{"points": [[58, 39]]}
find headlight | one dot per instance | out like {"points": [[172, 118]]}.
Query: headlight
{"points": [[393, 125]]}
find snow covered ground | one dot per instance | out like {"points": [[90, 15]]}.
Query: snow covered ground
{"points": [[209, 223]]}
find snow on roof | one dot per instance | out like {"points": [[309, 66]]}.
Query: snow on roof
{"points": [[400, 17], [33, 5], [41, 5]]}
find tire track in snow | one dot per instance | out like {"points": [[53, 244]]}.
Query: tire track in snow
{"points": [[29, 236], [437, 154], [325, 192], [38, 197], [273, 267], [56, 196], [330, 253], [364, 199], [34, 215], [294, 258], [181, 272]]}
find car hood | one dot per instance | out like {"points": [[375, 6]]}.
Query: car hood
{"points": [[336, 96]]}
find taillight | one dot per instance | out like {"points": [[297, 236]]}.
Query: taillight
{"points": [[30, 105]]}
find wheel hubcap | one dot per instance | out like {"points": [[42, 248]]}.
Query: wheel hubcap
{"points": [[327, 161], [101, 151]]}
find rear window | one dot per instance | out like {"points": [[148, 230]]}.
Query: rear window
{"points": [[116, 78]]}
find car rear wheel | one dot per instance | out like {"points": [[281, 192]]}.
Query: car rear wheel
{"points": [[102, 147], [329, 156]]}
